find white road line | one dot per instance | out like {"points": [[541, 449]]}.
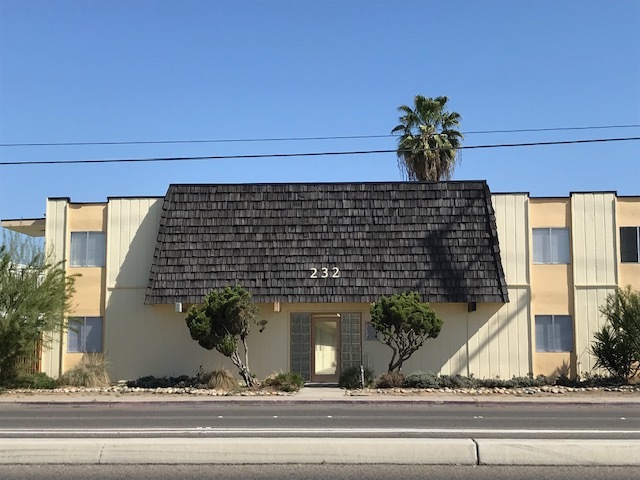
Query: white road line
{"points": [[213, 430]]}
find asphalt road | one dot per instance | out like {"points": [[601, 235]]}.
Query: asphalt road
{"points": [[331, 420], [310, 472]]}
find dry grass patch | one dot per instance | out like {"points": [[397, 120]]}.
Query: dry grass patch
{"points": [[91, 371], [220, 379]]}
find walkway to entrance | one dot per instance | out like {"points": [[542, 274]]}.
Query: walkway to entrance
{"points": [[321, 392]]}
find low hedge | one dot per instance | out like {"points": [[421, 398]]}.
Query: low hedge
{"points": [[421, 379]]}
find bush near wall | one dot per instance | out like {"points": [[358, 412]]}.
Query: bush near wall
{"points": [[38, 380], [91, 371], [285, 382], [220, 379], [422, 380], [350, 378], [391, 380]]}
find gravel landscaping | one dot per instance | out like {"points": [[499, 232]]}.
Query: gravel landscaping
{"points": [[561, 390]]}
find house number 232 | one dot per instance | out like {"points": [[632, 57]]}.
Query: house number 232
{"points": [[324, 272]]}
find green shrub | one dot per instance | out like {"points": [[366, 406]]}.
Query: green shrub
{"points": [[589, 380], [403, 323], [91, 371], [422, 380], [455, 381], [33, 380], [617, 344], [350, 378], [391, 380], [530, 381], [285, 382], [514, 382], [494, 383]]}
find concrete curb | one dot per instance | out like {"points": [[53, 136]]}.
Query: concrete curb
{"points": [[240, 451], [400, 451], [559, 452], [480, 402]]}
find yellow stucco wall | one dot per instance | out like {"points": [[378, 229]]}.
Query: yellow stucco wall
{"points": [[553, 364], [89, 297], [550, 212], [551, 284], [628, 215]]}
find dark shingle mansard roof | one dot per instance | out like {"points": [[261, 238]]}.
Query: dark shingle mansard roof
{"points": [[438, 239]]}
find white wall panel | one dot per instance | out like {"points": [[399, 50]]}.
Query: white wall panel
{"points": [[499, 337], [55, 244], [132, 229], [56, 228], [588, 320], [511, 212], [154, 340], [593, 239], [491, 342]]}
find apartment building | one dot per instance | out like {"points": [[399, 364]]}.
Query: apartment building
{"points": [[517, 280]]}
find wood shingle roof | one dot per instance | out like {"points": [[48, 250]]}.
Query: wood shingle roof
{"points": [[373, 239]]}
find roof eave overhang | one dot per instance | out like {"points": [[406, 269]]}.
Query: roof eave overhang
{"points": [[34, 227]]}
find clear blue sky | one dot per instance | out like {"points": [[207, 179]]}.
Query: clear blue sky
{"points": [[105, 71]]}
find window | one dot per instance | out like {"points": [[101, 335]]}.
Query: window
{"points": [[87, 249], [551, 245], [554, 333], [630, 244], [84, 335]]}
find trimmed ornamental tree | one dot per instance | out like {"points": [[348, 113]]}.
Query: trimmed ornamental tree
{"points": [[223, 322], [35, 296], [403, 323], [617, 344]]}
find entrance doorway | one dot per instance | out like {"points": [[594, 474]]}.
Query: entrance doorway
{"points": [[325, 339], [324, 344]]}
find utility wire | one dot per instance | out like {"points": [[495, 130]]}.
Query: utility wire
{"points": [[296, 139], [311, 154]]}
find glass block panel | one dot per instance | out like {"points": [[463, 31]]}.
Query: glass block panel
{"points": [[351, 341], [300, 344]]}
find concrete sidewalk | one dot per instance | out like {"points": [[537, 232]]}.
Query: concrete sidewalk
{"points": [[280, 450], [328, 395]]}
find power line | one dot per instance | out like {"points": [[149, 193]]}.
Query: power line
{"points": [[296, 139], [551, 129], [309, 154]]}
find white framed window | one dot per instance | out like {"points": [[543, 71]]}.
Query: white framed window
{"points": [[84, 335], [630, 244], [554, 333], [88, 249], [551, 245]]}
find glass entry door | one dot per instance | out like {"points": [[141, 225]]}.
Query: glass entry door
{"points": [[325, 338]]}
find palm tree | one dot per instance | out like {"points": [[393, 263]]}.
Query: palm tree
{"points": [[427, 148]]}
